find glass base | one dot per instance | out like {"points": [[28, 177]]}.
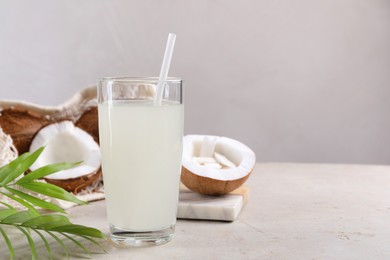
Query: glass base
{"points": [[122, 237]]}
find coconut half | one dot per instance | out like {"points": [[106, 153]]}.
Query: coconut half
{"points": [[215, 165], [64, 142]]}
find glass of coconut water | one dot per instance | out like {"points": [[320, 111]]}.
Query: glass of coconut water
{"points": [[141, 146]]}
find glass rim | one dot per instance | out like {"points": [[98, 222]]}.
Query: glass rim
{"points": [[139, 79]]}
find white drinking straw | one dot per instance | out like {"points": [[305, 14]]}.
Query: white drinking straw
{"points": [[165, 68]]}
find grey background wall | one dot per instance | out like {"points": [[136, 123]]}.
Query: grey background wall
{"points": [[296, 80]]}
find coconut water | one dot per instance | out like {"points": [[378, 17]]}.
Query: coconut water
{"points": [[141, 147]]}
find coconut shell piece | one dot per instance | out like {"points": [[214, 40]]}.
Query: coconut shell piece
{"points": [[21, 124], [209, 186], [76, 185], [89, 122]]}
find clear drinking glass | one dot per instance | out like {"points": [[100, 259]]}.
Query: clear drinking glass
{"points": [[141, 146]]}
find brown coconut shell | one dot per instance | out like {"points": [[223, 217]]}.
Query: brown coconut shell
{"points": [[89, 122], [22, 125], [209, 186], [76, 185]]}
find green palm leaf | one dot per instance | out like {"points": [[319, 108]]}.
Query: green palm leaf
{"points": [[94, 242], [11, 167], [46, 170], [27, 219], [9, 244], [31, 218], [45, 242], [79, 230], [7, 205], [59, 241], [35, 201], [4, 213], [51, 191], [21, 201], [30, 241], [19, 168], [76, 242], [53, 224], [19, 217], [42, 221]]}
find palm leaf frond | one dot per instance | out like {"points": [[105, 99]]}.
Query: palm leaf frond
{"points": [[59, 241], [45, 226], [46, 170], [30, 242], [51, 191], [45, 242], [76, 242], [23, 202], [35, 201], [17, 169], [8, 242]]}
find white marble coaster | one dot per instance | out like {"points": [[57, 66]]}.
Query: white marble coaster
{"points": [[197, 206]]}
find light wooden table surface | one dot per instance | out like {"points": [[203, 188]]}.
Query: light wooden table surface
{"points": [[295, 211]]}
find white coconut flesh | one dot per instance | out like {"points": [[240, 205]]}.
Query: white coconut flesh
{"points": [[216, 157], [64, 142]]}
